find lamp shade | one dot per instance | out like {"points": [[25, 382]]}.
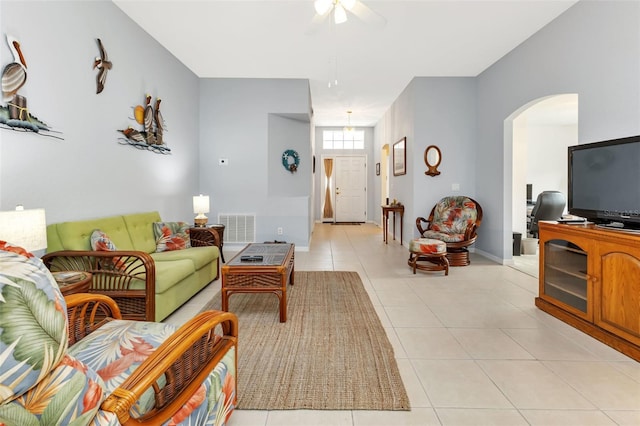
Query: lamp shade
{"points": [[201, 204], [24, 228]]}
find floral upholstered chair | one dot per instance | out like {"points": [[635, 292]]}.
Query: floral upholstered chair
{"points": [[454, 220], [69, 362]]}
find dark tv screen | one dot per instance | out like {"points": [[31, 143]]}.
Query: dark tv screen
{"points": [[604, 181]]}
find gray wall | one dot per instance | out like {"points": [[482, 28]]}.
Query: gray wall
{"points": [[431, 111], [88, 174], [593, 49], [251, 122], [445, 117]]}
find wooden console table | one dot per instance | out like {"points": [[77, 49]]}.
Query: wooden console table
{"points": [[589, 279], [385, 221]]}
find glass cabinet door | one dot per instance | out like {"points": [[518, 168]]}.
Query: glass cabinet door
{"points": [[565, 274]]}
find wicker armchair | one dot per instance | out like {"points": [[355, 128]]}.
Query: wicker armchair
{"points": [[128, 277], [455, 221], [173, 372], [73, 360]]}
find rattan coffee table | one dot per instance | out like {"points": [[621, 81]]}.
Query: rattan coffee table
{"points": [[270, 274]]}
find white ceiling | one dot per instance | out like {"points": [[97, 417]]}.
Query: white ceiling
{"points": [[275, 39]]}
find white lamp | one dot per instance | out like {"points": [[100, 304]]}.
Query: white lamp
{"points": [[24, 228], [200, 207]]}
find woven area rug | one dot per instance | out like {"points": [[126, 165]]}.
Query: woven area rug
{"points": [[331, 354]]}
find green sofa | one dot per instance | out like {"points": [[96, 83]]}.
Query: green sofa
{"points": [[146, 285]]}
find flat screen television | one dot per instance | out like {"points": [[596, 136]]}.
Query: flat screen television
{"points": [[604, 182]]}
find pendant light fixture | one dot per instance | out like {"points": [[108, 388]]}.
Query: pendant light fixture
{"points": [[348, 128]]}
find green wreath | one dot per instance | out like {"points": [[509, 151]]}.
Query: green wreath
{"points": [[290, 160]]}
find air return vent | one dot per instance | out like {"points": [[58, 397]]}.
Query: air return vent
{"points": [[239, 228]]}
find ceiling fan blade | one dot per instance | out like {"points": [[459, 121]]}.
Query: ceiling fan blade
{"points": [[316, 23], [367, 15]]}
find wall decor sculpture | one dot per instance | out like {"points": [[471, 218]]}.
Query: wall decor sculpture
{"points": [[15, 115], [103, 64], [151, 137]]}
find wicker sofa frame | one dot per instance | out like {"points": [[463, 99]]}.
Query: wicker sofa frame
{"points": [[117, 273]]}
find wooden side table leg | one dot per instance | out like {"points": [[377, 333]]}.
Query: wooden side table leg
{"points": [[394, 226], [225, 300], [283, 306], [282, 295]]}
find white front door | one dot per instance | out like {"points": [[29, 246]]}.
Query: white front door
{"points": [[351, 189]]}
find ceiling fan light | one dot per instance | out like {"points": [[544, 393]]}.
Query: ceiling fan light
{"points": [[322, 6], [348, 4], [339, 14]]}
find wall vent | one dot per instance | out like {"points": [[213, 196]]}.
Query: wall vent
{"points": [[238, 228]]}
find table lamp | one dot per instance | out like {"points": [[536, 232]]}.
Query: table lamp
{"points": [[24, 228], [200, 207]]}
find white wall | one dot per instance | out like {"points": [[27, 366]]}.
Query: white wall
{"points": [[88, 174], [547, 157], [591, 50]]}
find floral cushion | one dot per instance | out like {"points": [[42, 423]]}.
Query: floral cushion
{"points": [[453, 215], [117, 348], [70, 394], [447, 238], [33, 314], [14, 249], [171, 236], [427, 246], [101, 242]]}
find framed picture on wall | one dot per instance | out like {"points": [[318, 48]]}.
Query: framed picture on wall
{"points": [[377, 169], [400, 157]]}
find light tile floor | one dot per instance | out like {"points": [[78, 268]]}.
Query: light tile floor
{"points": [[472, 348]]}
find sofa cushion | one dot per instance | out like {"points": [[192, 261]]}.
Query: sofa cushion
{"points": [[141, 230], [77, 235], [170, 273], [200, 256], [33, 314], [171, 236]]}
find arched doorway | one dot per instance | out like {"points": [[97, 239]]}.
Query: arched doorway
{"points": [[539, 133]]}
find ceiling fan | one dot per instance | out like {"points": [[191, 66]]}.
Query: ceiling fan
{"points": [[339, 9]]}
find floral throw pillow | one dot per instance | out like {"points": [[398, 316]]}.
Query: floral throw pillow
{"points": [[171, 236], [101, 242]]}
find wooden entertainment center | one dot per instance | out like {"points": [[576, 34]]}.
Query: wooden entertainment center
{"points": [[590, 279]]}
